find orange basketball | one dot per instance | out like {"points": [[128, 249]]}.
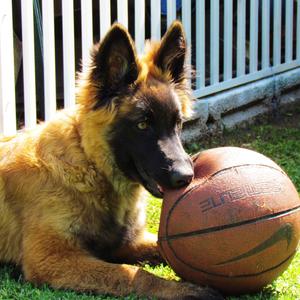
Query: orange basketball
{"points": [[236, 227]]}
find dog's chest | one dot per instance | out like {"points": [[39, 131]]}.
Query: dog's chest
{"points": [[108, 237], [104, 229]]}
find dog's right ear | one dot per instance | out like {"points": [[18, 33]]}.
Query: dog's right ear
{"points": [[172, 52], [114, 64]]}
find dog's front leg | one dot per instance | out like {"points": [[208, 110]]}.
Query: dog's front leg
{"points": [[48, 258]]}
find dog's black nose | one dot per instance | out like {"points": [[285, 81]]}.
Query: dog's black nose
{"points": [[181, 177]]}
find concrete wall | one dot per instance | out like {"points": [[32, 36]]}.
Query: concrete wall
{"points": [[243, 105]]}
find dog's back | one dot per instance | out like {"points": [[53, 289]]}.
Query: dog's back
{"points": [[24, 175], [13, 151]]}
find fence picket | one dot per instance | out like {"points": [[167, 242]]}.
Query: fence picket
{"points": [[122, 7], [277, 33], [298, 32], [186, 21], [200, 44], [253, 36], [139, 25], [289, 30], [28, 63], [86, 29], [265, 34], [68, 52], [155, 19], [214, 42], [7, 80], [49, 59], [227, 39], [105, 17], [171, 11], [241, 38]]}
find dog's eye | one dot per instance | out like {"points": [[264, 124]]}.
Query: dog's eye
{"points": [[142, 125]]}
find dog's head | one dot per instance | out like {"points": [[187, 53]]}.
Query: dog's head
{"points": [[135, 107]]}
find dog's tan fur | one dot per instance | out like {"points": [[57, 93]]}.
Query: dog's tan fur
{"points": [[59, 185]]}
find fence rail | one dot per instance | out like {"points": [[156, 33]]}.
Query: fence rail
{"points": [[233, 42]]}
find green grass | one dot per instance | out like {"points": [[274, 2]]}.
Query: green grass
{"points": [[279, 140]]}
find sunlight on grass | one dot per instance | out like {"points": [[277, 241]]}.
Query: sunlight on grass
{"points": [[162, 271], [153, 213]]}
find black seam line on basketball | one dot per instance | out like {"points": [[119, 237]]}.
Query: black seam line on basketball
{"points": [[184, 195], [234, 276], [164, 255], [227, 226], [244, 165], [284, 233]]}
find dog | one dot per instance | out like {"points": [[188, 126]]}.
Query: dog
{"points": [[72, 205]]}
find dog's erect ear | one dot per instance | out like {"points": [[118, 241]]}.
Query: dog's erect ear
{"points": [[114, 62], [172, 52]]}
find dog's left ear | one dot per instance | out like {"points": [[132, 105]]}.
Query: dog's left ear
{"points": [[171, 54], [114, 62]]}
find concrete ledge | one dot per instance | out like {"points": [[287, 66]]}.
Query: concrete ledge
{"points": [[242, 105]]}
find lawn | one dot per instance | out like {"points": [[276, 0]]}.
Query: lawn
{"points": [[280, 140]]}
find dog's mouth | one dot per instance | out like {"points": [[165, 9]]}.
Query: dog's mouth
{"points": [[148, 182]]}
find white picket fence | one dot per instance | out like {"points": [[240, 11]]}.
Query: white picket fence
{"points": [[233, 42]]}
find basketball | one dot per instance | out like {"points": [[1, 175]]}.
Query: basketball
{"points": [[236, 227]]}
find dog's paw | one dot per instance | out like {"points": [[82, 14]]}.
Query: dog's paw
{"points": [[185, 291], [201, 293], [148, 285]]}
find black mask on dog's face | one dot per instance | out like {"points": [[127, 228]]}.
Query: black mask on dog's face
{"points": [[146, 141]]}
